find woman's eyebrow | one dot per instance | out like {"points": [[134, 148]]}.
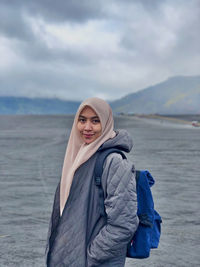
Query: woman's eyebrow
{"points": [[95, 117]]}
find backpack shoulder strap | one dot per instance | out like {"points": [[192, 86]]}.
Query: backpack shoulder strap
{"points": [[137, 176], [98, 171], [102, 155]]}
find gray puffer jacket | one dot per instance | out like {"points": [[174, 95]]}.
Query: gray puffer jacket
{"points": [[82, 237]]}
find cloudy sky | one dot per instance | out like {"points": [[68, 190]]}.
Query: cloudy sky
{"points": [[107, 48]]}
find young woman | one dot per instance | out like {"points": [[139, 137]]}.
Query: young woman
{"points": [[78, 235]]}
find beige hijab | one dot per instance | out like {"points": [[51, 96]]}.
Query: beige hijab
{"points": [[77, 151]]}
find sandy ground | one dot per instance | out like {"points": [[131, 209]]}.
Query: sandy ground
{"points": [[32, 152]]}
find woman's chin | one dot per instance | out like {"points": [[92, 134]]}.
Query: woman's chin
{"points": [[87, 142]]}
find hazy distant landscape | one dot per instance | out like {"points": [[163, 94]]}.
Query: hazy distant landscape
{"points": [[24, 105], [177, 95]]}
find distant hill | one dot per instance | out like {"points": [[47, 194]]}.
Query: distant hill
{"points": [[177, 95], [23, 105]]}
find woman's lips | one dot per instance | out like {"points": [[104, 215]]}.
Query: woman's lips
{"points": [[88, 135]]}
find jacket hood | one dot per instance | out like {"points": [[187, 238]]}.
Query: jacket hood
{"points": [[122, 141]]}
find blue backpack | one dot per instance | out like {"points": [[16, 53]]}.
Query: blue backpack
{"points": [[147, 235]]}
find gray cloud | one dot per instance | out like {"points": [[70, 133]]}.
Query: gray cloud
{"points": [[77, 49], [38, 52], [13, 24], [48, 82], [59, 11], [75, 11]]}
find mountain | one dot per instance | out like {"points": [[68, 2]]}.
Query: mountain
{"points": [[24, 105], [177, 95]]}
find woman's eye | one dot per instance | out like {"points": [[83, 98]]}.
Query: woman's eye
{"points": [[81, 120], [96, 121]]}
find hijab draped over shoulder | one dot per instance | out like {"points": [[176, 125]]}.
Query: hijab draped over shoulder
{"points": [[77, 151]]}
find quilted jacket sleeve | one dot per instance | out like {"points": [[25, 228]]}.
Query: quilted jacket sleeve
{"points": [[121, 209]]}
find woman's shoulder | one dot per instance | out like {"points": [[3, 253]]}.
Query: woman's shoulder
{"points": [[114, 156], [117, 170], [115, 161]]}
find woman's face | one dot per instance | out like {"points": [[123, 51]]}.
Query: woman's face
{"points": [[89, 125]]}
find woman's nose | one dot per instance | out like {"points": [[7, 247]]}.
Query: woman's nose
{"points": [[88, 125]]}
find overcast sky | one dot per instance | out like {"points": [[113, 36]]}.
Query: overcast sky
{"points": [[78, 49]]}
